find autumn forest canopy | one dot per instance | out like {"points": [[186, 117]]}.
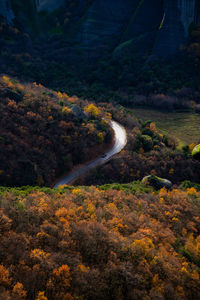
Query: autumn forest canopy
{"points": [[127, 228]]}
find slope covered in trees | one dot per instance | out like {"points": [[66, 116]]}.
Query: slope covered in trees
{"points": [[112, 242], [121, 74], [148, 151], [45, 133]]}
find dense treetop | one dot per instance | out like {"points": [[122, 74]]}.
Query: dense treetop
{"points": [[44, 133], [122, 242]]}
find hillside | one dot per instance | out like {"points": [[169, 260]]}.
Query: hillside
{"points": [[112, 50], [159, 26], [99, 150], [148, 151], [45, 133], [111, 242]]}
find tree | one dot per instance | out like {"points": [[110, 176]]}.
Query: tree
{"points": [[92, 110], [18, 291]]}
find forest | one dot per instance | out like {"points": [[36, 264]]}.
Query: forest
{"points": [[122, 242], [129, 227], [44, 133]]}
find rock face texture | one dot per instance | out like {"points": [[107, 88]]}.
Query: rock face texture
{"points": [[6, 11], [178, 15], [187, 13], [105, 21], [159, 25], [157, 182], [156, 27], [48, 5], [197, 12]]}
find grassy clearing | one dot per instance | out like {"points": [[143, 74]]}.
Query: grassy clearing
{"points": [[184, 126]]}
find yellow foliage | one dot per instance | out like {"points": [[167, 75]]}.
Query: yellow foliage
{"points": [[162, 200], [112, 206], [100, 137], [167, 213], [41, 296], [192, 191], [42, 234], [171, 171], [92, 110], [91, 208], [83, 268], [39, 254], [42, 203], [184, 270], [50, 118], [62, 186], [6, 78], [175, 219], [10, 84], [60, 95], [193, 246], [66, 110], [77, 192], [65, 96], [63, 275], [142, 247]]}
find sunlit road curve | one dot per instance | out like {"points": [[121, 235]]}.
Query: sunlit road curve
{"points": [[120, 143]]}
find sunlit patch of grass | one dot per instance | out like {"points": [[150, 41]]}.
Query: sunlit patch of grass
{"points": [[184, 126]]}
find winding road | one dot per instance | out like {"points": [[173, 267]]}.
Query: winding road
{"points": [[120, 143]]}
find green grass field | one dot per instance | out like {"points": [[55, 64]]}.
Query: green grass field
{"points": [[184, 126]]}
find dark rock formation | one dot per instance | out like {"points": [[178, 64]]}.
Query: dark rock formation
{"points": [[156, 26], [48, 5], [178, 15], [142, 28], [171, 34], [78, 112], [197, 12], [157, 182], [104, 22], [6, 11], [196, 152], [148, 27]]}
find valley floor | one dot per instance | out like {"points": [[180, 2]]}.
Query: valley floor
{"points": [[183, 125]]}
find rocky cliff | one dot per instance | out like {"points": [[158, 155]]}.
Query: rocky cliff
{"points": [[48, 5], [197, 12], [6, 11], [157, 27], [178, 15]]}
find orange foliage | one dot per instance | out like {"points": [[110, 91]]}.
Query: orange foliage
{"points": [[5, 279], [19, 292], [78, 239], [41, 296]]}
